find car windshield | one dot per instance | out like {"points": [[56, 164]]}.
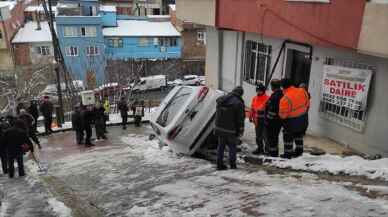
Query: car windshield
{"points": [[173, 106]]}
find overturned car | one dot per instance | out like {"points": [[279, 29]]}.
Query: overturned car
{"points": [[185, 118]]}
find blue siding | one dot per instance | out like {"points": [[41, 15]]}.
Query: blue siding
{"points": [[132, 49], [109, 18]]}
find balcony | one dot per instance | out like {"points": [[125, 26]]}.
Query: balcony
{"points": [[374, 31], [74, 9]]}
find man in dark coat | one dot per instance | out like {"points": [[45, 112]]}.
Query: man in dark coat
{"points": [[14, 139], [272, 122], [88, 122], [34, 111], [77, 121], [29, 123], [46, 108], [123, 108], [230, 117], [3, 154], [99, 120]]}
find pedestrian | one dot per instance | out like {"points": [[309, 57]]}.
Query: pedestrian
{"points": [[293, 109], [229, 125], [29, 122], [106, 112], [123, 108], [77, 122], [257, 117], [34, 111], [3, 155], [88, 122], [138, 112], [273, 124], [19, 106], [99, 120], [17, 143], [46, 108]]}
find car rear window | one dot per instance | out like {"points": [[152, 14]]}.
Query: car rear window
{"points": [[173, 106]]}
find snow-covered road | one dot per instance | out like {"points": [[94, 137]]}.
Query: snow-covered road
{"points": [[131, 176]]}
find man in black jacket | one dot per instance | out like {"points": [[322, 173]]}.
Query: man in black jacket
{"points": [[14, 140], [3, 155], [34, 111], [123, 107], [29, 123], [272, 122], [47, 111], [77, 122], [230, 117], [88, 116]]}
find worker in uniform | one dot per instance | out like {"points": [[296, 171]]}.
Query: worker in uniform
{"points": [[293, 109], [272, 122], [257, 117]]}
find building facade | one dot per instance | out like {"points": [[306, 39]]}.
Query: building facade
{"points": [[307, 42]]}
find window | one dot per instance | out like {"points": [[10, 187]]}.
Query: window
{"points": [[201, 37], [71, 51], [173, 106], [89, 31], [115, 42], [168, 42], [43, 50], [92, 51], [70, 31], [256, 62], [143, 42]]}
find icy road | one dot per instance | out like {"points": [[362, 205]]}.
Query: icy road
{"points": [[131, 176]]}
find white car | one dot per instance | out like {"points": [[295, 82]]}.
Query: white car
{"points": [[185, 118], [191, 80], [150, 83]]}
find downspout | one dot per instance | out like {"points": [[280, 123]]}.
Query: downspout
{"points": [[236, 59], [242, 58], [220, 56]]}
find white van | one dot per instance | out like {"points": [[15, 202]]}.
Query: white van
{"points": [[185, 118], [150, 83]]}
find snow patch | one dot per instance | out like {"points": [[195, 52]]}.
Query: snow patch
{"points": [[335, 164], [59, 208]]}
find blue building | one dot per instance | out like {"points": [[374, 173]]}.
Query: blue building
{"points": [[89, 34]]}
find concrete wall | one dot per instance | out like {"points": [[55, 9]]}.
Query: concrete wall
{"points": [[374, 31], [131, 49], [212, 67], [374, 138], [198, 11]]}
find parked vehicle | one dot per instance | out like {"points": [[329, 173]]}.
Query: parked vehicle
{"points": [[175, 82], [191, 80], [150, 83], [185, 118]]}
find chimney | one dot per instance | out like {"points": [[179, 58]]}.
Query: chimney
{"points": [[38, 27]]}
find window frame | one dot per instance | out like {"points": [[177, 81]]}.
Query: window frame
{"points": [[255, 51], [143, 42], [115, 43], [201, 36], [95, 49], [72, 51], [74, 31], [86, 31], [43, 50]]}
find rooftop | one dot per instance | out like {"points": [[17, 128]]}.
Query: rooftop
{"points": [[29, 33], [135, 28], [108, 8]]}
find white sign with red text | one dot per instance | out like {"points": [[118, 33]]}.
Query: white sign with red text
{"points": [[346, 87]]}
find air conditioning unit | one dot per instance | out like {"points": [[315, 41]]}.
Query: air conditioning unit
{"points": [[163, 49]]}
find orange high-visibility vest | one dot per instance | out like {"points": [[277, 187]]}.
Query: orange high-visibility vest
{"points": [[258, 106], [294, 103]]}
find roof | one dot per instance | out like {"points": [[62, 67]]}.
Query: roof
{"points": [[29, 33], [33, 8], [10, 4], [108, 8], [172, 7], [133, 28]]}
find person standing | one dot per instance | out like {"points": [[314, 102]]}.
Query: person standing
{"points": [[29, 122], [229, 125], [272, 122], [99, 116], [138, 112], [17, 143], [293, 109], [3, 155], [46, 108], [106, 112], [19, 107], [77, 122], [34, 111], [257, 117], [123, 107], [88, 122]]}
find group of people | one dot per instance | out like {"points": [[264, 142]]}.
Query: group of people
{"points": [[84, 117], [137, 108], [287, 107]]}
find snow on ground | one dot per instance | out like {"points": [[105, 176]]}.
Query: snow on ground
{"points": [[353, 165], [59, 208], [138, 178]]}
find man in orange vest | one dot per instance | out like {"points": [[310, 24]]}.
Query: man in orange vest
{"points": [[257, 116], [293, 110]]}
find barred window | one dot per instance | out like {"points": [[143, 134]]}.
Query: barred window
{"points": [[43, 50], [71, 51], [115, 42], [257, 62], [92, 51]]}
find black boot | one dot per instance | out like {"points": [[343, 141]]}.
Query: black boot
{"points": [[222, 167]]}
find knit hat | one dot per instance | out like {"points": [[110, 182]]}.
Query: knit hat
{"points": [[238, 91]]}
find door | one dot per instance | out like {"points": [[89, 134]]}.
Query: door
{"points": [[298, 67]]}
